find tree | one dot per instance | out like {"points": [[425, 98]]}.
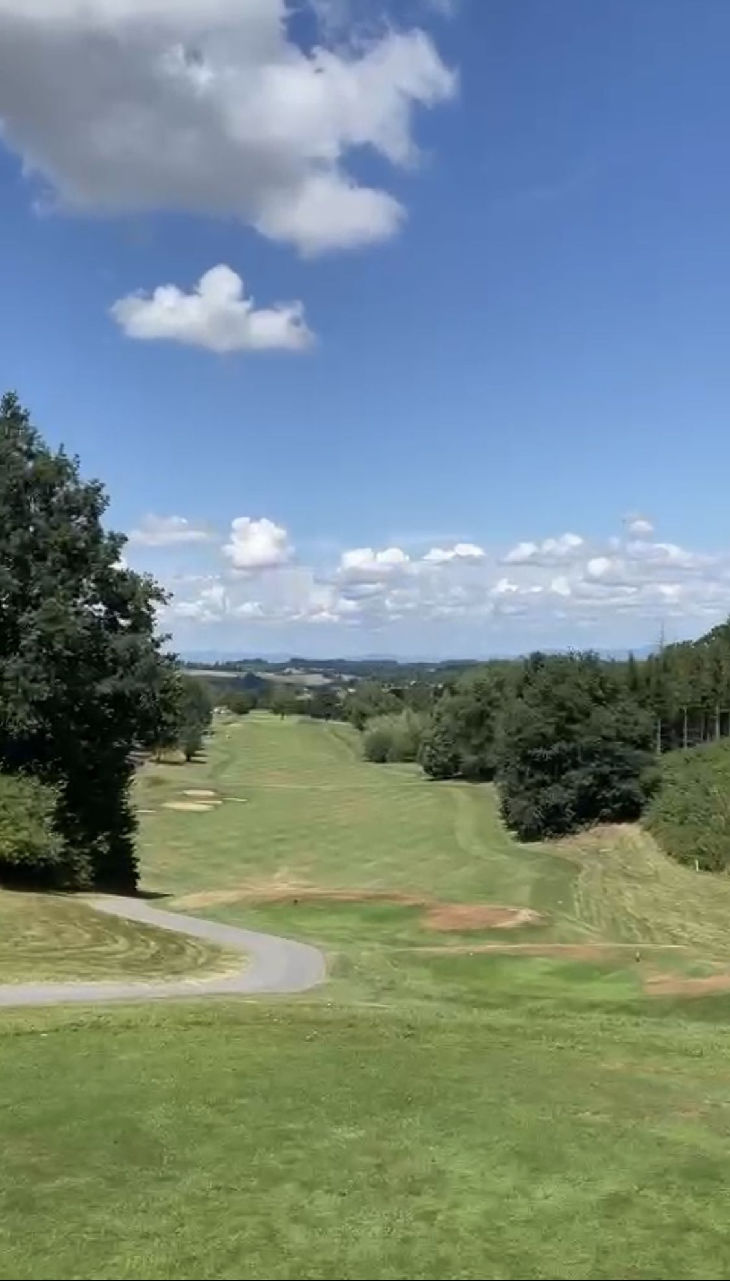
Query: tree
{"points": [[81, 665], [324, 704], [573, 748], [195, 713], [461, 739], [284, 702], [370, 699]]}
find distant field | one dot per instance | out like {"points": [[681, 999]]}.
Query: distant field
{"points": [[519, 1068]]}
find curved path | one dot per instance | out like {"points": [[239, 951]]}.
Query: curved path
{"points": [[275, 965]]}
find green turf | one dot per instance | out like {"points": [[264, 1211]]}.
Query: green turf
{"points": [[49, 937], [428, 1113]]}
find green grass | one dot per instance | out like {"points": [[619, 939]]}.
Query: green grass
{"points": [[49, 937], [458, 1114]]}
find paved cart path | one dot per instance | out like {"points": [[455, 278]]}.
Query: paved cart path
{"points": [[273, 964]]}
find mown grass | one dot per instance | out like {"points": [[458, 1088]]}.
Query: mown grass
{"points": [[49, 937], [524, 1139], [430, 1112]]}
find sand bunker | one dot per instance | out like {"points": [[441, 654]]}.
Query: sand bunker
{"points": [[199, 792], [189, 807]]}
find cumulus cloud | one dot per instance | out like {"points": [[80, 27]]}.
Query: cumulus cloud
{"points": [[209, 106], [256, 545], [639, 527], [217, 315], [460, 551], [168, 531], [548, 552], [571, 587]]}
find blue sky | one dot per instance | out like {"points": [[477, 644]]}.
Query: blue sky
{"points": [[495, 414]]}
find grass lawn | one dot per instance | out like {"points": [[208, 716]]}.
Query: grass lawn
{"points": [[52, 936], [489, 1103]]}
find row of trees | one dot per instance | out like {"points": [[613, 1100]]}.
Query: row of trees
{"points": [[570, 739], [84, 679]]}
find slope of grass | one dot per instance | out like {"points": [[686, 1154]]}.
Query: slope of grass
{"points": [[49, 937]]}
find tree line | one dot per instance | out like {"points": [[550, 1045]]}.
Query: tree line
{"points": [[570, 739]]}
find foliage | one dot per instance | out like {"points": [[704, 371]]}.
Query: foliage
{"points": [[284, 701], [325, 705], [394, 737], [195, 714], [690, 813], [367, 700], [31, 851], [574, 748], [461, 737], [238, 701], [81, 667]]}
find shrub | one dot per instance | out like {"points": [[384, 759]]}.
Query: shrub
{"points": [[690, 813], [31, 851], [394, 737]]}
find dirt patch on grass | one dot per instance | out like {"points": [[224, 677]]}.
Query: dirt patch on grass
{"points": [[459, 917], [188, 807], [452, 917], [676, 985], [200, 792]]}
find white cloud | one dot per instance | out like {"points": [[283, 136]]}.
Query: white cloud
{"points": [[216, 315], [256, 545], [460, 551], [168, 531], [209, 106], [575, 590], [639, 527], [548, 552]]}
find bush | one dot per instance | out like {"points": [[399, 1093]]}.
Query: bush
{"points": [[394, 737], [690, 813], [439, 752], [31, 851]]}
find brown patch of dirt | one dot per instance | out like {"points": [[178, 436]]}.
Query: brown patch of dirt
{"points": [[200, 792], [437, 916], [675, 985], [190, 807], [455, 917]]}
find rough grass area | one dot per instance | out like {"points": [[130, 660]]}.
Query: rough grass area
{"points": [[46, 936]]}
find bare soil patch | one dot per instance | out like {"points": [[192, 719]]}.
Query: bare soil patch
{"points": [[200, 792], [458, 917]]}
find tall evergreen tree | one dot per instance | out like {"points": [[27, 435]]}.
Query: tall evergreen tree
{"points": [[81, 665]]}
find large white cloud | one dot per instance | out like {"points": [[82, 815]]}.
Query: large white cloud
{"points": [[210, 106], [256, 545], [216, 315]]}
